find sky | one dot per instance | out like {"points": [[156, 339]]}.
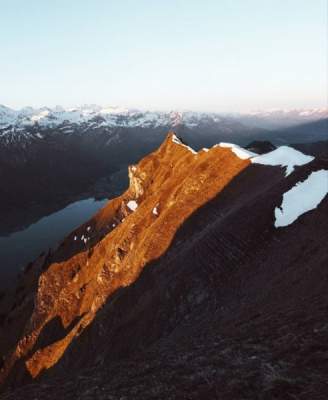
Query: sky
{"points": [[201, 55]]}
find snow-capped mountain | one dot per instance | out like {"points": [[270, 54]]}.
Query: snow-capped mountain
{"points": [[275, 118], [95, 115]]}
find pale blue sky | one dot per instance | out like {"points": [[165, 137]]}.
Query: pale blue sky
{"points": [[216, 55]]}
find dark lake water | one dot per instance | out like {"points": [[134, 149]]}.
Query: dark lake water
{"points": [[24, 246]]}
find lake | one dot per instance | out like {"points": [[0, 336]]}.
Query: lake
{"points": [[21, 247]]}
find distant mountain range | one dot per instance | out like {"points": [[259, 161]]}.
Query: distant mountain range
{"points": [[94, 116]]}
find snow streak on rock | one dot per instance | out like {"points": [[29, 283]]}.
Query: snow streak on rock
{"points": [[178, 141], [239, 151]]}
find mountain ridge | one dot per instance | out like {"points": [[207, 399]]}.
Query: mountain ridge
{"points": [[114, 214], [219, 207]]}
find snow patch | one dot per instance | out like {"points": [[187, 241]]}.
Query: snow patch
{"points": [[243, 154], [303, 197], [132, 205], [284, 156], [155, 210]]}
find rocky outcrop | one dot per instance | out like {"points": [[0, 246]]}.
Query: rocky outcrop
{"points": [[180, 288]]}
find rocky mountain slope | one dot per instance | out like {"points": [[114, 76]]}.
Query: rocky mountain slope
{"points": [[205, 279]]}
